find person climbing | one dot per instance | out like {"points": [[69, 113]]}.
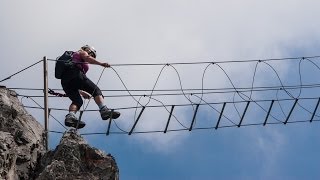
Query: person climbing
{"points": [[75, 83]]}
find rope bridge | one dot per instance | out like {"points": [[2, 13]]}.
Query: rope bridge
{"points": [[233, 112]]}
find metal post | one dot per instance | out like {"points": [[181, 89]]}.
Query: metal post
{"points": [[46, 109], [244, 113], [265, 121], [194, 117], [80, 116], [315, 110], [294, 105], [166, 129], [135, 123], [224, 105], [110, 121]]}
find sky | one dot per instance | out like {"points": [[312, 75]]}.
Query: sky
{"points": [[179, 31]]}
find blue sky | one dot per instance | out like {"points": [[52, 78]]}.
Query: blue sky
{"points": [[141, 31]]}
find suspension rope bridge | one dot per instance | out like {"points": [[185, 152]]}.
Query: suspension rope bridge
{"points": [[272, 110]]}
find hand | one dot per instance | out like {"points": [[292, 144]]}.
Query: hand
{"points": [[105, 65]]}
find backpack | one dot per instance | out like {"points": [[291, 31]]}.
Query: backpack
{"points": [[63, 63]]}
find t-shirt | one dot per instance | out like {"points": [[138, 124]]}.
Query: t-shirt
{"points": [[80, 63]]}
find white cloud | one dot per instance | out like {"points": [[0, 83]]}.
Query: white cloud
{"points": [[152, 32]]}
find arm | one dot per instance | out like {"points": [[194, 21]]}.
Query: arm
{"points": [[87, 58]]}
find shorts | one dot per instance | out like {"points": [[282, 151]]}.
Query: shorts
{"points": [[80, 82]]}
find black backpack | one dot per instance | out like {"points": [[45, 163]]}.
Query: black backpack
{"points": [[63, 63]]}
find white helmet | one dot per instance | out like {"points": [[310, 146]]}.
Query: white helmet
{"points": [[92, 52]]}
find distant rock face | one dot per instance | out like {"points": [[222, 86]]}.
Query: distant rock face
{"points": [[21, 139], [73, 158], [23, 155]]}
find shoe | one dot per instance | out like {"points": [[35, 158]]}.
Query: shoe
{"points": [[72, 121], [106, 113]]}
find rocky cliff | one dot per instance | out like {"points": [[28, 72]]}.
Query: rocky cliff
{"points": [[73, 158], [23, 155], [21, 139]]}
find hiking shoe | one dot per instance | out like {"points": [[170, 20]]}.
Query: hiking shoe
{"points": [[72, 121], [106, 113]]}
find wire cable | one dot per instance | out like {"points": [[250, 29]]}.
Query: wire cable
{"points": [[9, 77], [43, 108]]}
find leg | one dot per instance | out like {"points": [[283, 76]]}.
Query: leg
{"points": [[76, 99], [73, 108], [88, 86], [99, 100], [72, 92], [71, 88], [95, 91]]}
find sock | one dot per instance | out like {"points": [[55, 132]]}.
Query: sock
{"points": [[101, 106], [73, 113]]}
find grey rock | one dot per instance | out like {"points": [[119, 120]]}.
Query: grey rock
{"points": [[19, 134], [73, 158], [23, 155]]}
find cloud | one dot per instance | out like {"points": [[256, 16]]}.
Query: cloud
{"points": [[158, 31]]}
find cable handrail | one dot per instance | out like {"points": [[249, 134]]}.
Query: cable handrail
{"points": [[210, 62]]}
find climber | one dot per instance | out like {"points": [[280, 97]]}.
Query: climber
{"points": [[75, 83]]}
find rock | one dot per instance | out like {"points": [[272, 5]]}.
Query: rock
{"points": [[73, 158], [21, 139], [8, 156], [23, 155]]}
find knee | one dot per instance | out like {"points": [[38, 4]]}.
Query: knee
{"points": [[97, 92]]}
